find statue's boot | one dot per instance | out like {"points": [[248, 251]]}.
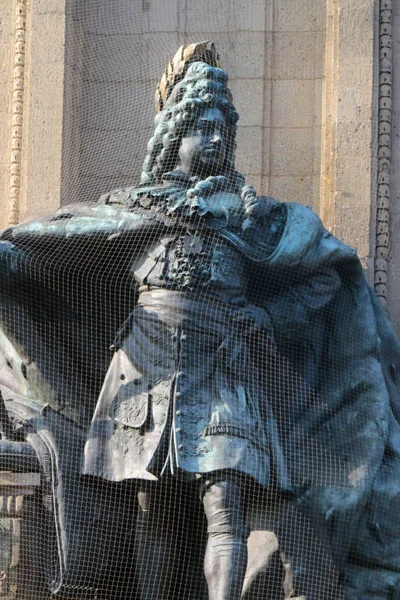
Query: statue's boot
{"points": [[226, 554]]}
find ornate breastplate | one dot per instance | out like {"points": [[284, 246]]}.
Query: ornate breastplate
{"points": [[191, 260]]}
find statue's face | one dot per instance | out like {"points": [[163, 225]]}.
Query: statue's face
{"points": [[204, 148]]}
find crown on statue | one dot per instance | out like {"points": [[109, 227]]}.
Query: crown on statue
{"points": [[177, 67]]}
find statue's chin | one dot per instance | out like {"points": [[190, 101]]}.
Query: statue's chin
{"points": [[211, 163]]}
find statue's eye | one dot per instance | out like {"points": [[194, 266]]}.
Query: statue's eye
{"points": [[206, 127], [209, 128]]}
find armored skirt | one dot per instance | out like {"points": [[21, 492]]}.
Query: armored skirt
{"points": [[184, 393]]}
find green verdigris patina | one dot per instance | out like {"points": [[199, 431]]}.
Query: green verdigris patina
{"points": [[253, 366]]}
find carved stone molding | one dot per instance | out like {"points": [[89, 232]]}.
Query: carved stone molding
{"points": [[17, 111], [384, 150]]}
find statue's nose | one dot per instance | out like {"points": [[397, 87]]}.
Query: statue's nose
{"points": [[216, 137]]}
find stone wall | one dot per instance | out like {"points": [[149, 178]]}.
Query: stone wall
{"points": [[115, 55]]}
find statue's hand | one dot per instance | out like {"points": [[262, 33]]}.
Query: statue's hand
{"points": [[256, 207], [211, 196], [219, 203]]}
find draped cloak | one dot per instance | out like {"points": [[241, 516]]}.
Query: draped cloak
{"points": [[333, 425]]}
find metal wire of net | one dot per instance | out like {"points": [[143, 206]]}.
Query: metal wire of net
{"points": [[199, 392]]}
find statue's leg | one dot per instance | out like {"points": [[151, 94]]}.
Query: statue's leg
{"points": [[169, 541], [226, 554], [154, 546]]}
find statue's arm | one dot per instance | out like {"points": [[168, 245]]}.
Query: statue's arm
{"points": [[77, 220]]}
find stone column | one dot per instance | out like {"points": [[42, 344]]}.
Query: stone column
{"points": [[389, 197], [32, 82], [12, 38], [349, 134], [43, 108]]}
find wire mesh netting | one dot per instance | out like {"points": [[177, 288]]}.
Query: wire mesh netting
{"points": [[199, 390]]}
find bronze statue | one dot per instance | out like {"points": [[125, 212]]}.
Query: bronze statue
{"points": [[248, 365], [184, 397]]}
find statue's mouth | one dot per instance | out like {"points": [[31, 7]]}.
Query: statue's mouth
{"points": [[210, 151]]}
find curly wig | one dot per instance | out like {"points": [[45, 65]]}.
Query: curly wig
{"points": [[202, 87]]}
